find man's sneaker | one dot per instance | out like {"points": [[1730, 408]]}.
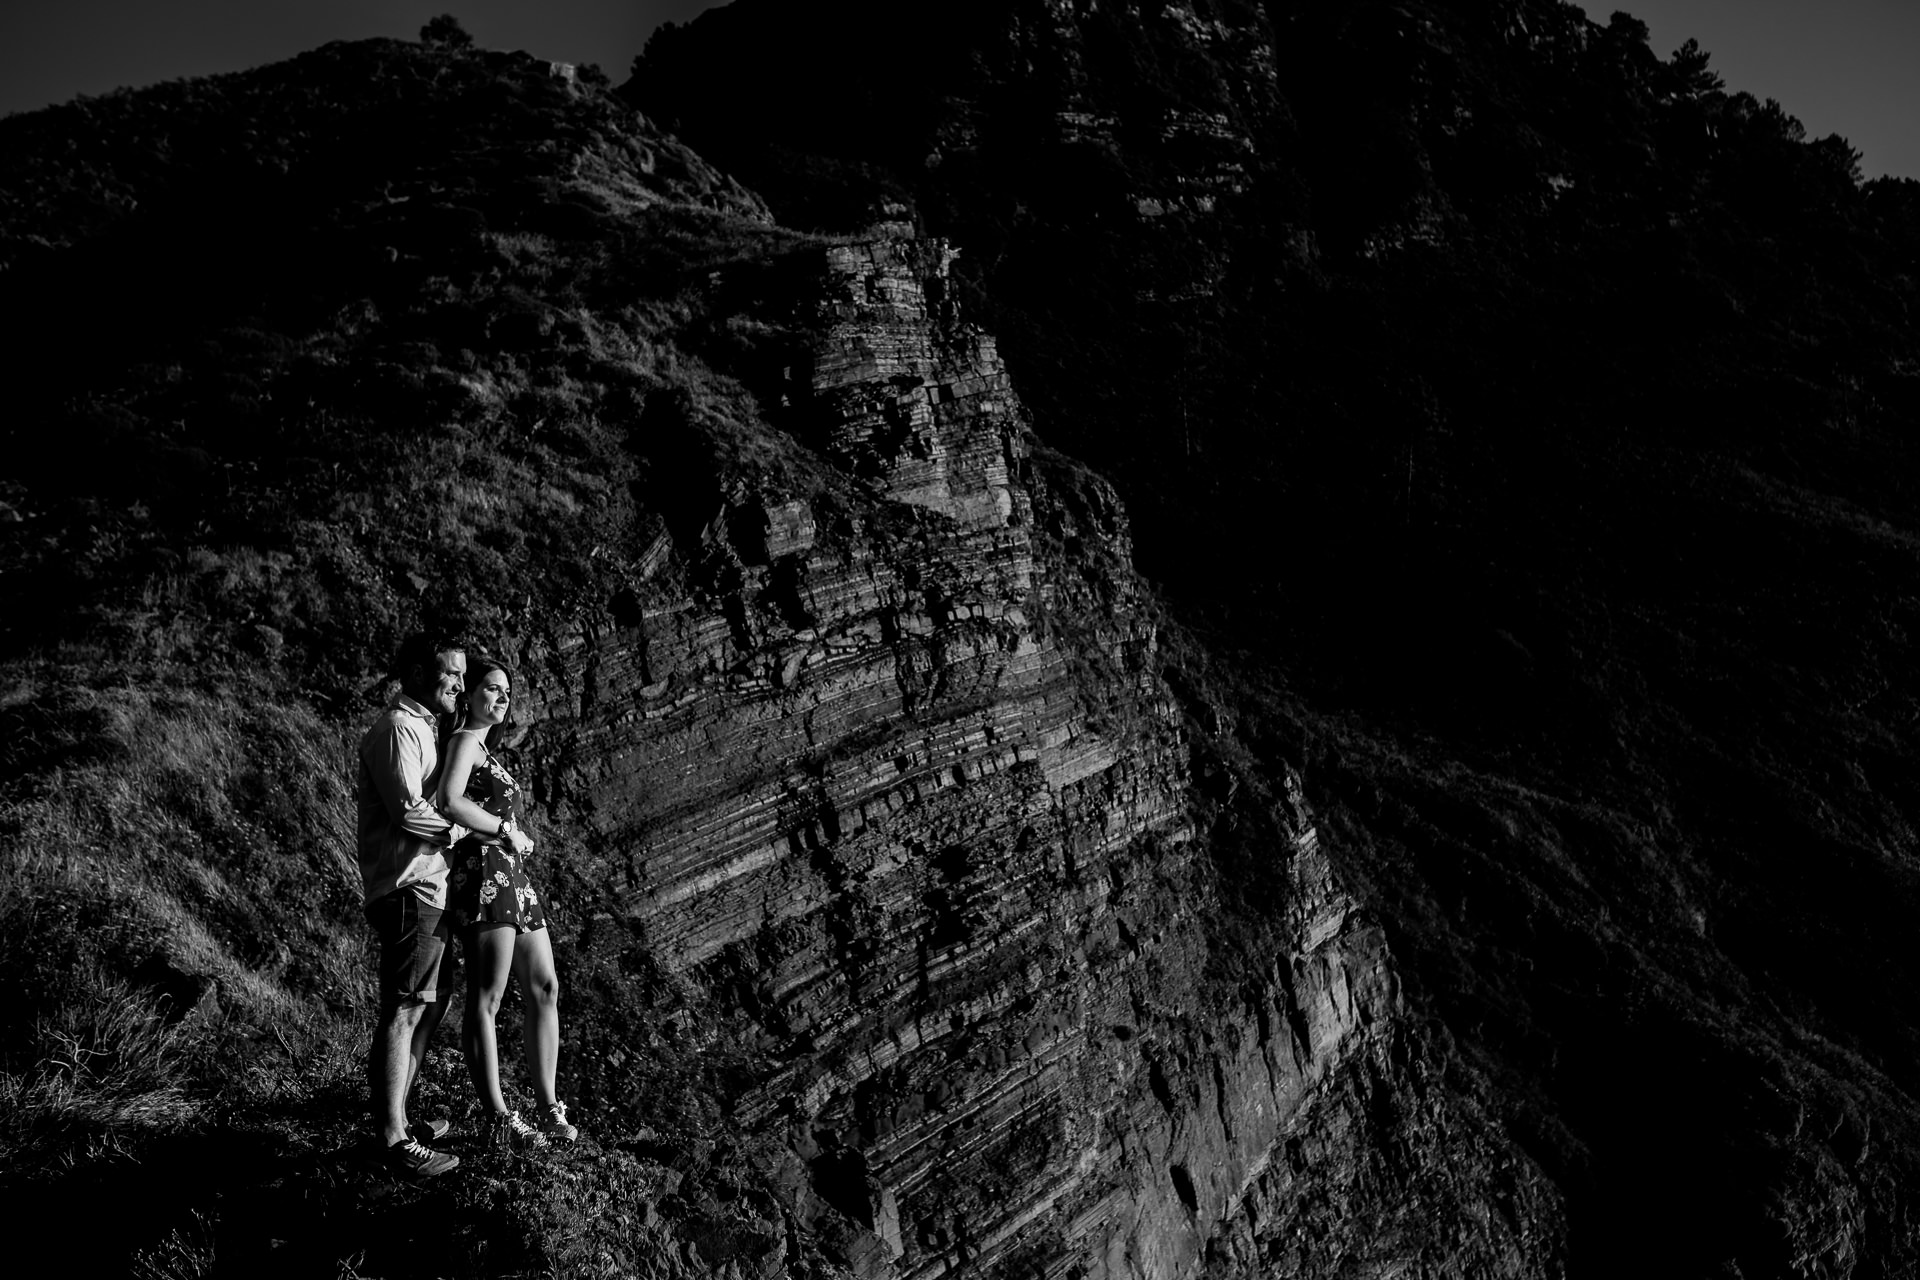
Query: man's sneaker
{"points": [[428, 1131], [507, 1131], [414, 1160], [554, 1124]]}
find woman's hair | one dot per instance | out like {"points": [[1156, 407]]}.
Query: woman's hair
{"points": [[479, 667]]}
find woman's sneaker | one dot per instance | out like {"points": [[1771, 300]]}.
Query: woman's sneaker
{"points": [[428, 1132], [554, 1124], [507, 1131]]}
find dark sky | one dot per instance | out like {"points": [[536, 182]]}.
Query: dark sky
{"points": [[1843, 66], [51, 50]]}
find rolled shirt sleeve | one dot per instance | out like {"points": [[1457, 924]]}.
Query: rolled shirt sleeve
{"points": [[400, 767]]}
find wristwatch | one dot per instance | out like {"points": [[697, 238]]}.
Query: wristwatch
{"points": [[506, 828]]}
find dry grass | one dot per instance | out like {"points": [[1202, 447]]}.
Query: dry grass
{"points": [[187, 1253], [110, 1071], [180, 895]]}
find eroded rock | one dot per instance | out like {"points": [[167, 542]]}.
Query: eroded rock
{"points": [[909, 783]]}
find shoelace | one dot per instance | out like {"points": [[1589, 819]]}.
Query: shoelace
{"points": [[511, 1120], [417, 1149]]}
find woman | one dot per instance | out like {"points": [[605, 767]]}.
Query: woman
{"points": [[495, 909]]}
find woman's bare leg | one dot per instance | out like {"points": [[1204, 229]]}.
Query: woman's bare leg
{"points": [[490, 958], [540, 1004]]}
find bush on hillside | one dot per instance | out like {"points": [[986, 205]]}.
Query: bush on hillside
{"points": [[445, 32]]}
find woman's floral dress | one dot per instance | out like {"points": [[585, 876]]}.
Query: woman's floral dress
{"points": [[489, 885]]}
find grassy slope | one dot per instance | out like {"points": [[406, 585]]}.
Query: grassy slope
{"points": [[302, 356]]}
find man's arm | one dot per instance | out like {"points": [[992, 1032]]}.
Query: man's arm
{"points": [[398, 765]]}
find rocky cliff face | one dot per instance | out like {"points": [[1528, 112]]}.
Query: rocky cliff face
{"points": [[1424, 344], [885, 769]]}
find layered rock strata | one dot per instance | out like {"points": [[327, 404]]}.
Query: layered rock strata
{"points": [[902, 756]]}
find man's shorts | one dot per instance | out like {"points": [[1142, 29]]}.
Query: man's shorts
{"points": [[413, 938]]}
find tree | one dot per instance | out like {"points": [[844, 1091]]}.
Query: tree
{"points": [[446, 32], [1840, 156], [1628, 29], [1689, 64]]}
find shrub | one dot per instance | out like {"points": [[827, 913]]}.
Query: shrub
{"points": [[445, 32]]}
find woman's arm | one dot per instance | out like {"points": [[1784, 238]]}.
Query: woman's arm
{"points": [[462, 754]]}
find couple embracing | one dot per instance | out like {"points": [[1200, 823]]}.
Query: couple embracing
{"points": [[442, 853]]}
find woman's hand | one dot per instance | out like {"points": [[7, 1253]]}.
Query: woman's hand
{"points": [[522, 842]]}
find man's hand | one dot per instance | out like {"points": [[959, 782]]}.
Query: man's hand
{"points": [[522, 842]]}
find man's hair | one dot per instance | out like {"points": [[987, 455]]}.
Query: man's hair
{"points": [[421, 652]]}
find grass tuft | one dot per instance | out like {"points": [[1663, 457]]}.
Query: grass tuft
{"points": [[109, 1074], [187, 1252]]}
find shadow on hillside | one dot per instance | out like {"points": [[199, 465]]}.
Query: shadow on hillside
{"points": [[282, 1192]]}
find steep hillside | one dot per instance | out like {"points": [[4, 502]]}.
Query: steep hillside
{"points": [[1525, 420], [917, 905]]}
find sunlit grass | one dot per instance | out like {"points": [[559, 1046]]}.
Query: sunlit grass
{"points": [[125, 876]]}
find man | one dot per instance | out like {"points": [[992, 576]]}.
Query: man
{"points": [[403, 864]]}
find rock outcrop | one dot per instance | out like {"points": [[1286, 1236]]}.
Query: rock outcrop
{"points": [[886, 767], [1358, 307]]}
